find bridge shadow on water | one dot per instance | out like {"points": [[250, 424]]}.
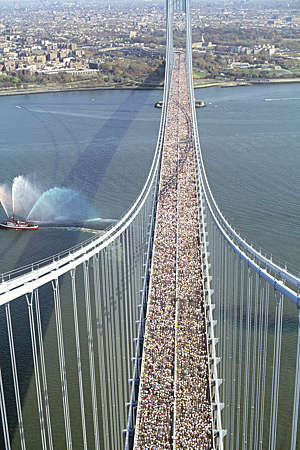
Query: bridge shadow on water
{"points": [[98, 158]]}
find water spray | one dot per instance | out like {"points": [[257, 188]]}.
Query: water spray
{"points": [[3, 206], [56, 206]]}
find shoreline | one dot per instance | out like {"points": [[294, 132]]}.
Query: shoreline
{"points": [[222, 84], [49, 90], [229, 84]]}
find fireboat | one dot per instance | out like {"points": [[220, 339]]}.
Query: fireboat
{"points": [[13, 223]]}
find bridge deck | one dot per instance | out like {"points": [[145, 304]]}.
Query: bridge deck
{"points": [[174, 404]]}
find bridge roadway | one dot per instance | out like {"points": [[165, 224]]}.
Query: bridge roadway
{"points": [[174, 408]]}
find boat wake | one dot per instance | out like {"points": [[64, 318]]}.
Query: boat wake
{"points": [[92, 225], [281, 99], [82, 115]]}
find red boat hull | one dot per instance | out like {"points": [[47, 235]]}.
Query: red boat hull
{"points": [[18, 225]]}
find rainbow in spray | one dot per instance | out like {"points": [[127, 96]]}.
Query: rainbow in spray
{"points": [[55, 205]]}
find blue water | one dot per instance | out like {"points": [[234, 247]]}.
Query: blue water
{"points": [[96, 145], [250, 140], [100, 145], [252, 151]]}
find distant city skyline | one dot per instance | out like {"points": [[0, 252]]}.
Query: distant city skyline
{"points": [[134, 3]]}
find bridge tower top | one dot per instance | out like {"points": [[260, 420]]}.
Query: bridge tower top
{"points": [[179, 5]]}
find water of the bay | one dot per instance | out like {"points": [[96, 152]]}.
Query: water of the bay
{"points": [[100, 143], [250, 137], [250, 140]]}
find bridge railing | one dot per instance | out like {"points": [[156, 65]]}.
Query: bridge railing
{"points": [[135, 380], [90, 292], [212, 339], [14, 283], [257, 327]]}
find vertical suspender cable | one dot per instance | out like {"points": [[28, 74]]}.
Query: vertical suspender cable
{"points": [[297, 390], [91, 351], [15, 375], [230, 305], [137, 263], [247, 360], [126, 302], [240, 356], [132, 285], [259, 361], [214, 261], [222, 318], [43, 366], [234, 360], [218, 296], [254, 386], [29, 300], [78, 355], [111, 349], [99, 283], [129, 297], [122, 375], [108, 352], [62, 363], [264, 365], [276, 372], [124, 315], [4, 415], [114, 348]]}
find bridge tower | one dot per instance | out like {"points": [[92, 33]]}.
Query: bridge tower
{"points": [[73, 325]]}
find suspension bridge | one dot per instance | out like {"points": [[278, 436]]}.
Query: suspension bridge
{"points": [[164, 332]]}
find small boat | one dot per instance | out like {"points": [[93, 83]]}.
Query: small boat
{"points": [[15, 224], [200, 104]]}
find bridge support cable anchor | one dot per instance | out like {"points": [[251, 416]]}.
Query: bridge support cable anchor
{"points": [[29, 300], [216, 382], [62, 363], [15, 375], [219, 436], [4, 415], [78, 355]]}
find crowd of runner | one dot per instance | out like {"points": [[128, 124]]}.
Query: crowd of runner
{"points": [[174, 404], [193, 421]]}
